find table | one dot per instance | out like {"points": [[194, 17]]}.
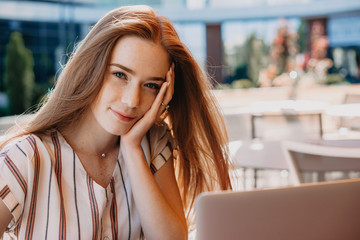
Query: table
{"points": [[241, 121], [257, 154], [287, 106], [343, 110]]}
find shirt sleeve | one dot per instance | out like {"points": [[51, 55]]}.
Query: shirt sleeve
{"points": [[161, 144], [15, 158]]}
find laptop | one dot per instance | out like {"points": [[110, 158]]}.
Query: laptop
{"points": [[321, 211]]}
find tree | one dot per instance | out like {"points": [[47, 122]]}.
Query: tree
{"points": [[19, 74], [255, 53]]}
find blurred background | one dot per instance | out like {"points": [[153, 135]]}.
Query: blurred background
{"points": [[266, 58], [241, 44]]}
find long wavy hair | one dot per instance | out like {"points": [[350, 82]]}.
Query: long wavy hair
{"points": [[202, 159]]}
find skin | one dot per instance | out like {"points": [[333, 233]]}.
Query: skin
{"points": [[138, 79], [5, 217]]}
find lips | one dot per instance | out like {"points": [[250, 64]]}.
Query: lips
{"points": [[122, 116]]}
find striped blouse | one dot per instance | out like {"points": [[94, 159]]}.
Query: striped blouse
{"points": [[51, 196]]}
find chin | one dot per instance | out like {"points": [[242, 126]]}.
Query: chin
{"points": [[119, 131]]}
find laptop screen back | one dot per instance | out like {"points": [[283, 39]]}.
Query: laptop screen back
{"points": [[329, 210]]}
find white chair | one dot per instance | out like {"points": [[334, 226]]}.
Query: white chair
{"points": [[350, 123], [309, 157], [351, 98], [287, 119], [286, 125]]}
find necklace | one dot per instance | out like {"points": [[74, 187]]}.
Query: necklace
{"points": [[102, 155]]}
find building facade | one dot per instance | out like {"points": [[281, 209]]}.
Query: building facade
{"points": [[210, 28]]}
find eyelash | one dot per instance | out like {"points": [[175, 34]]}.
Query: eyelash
{"points": [[152, 86], [117, 74], [149, 85]]}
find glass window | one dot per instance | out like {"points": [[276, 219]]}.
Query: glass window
{"points": [[193, 35], [248, 46]]}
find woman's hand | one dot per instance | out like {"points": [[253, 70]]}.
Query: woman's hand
{"points": [[156, 196], [137, 132]]}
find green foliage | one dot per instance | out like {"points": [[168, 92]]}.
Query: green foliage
{"points": [[256, 56], [223, 86], [248, 58], [236, 84], [4, 112], [335, 78], [302, 40], [19, 74], [242, 83], [41, 91]]}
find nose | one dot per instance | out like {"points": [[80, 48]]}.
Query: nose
{"points": [[131, 95]]}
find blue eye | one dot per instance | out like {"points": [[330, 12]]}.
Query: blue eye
{"points": [[119, 74], [152, 86]]}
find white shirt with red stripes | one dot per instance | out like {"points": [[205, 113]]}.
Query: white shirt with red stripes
{"points": [[51, 196]]}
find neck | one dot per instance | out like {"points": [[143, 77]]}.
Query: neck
{"points": [[95, 141]]}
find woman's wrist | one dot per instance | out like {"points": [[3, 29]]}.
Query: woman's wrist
{"points": [[130, 148]]}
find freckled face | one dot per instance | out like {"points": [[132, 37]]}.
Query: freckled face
{"points": [[136, 71]]}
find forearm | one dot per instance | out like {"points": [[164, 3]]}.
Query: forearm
{"points": [[159, 219]]}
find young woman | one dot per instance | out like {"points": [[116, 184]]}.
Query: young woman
{"points": [[99, 160]]}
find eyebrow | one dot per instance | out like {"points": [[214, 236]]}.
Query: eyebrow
{"points": [[133, 72]]}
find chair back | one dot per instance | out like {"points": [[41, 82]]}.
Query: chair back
{"points": [[288, 125], [302, 157], [351, 98], [350, 123]]}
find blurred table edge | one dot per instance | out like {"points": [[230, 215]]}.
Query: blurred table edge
{"points": [[259, 154]]}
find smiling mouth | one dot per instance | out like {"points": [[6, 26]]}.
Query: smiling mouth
{"points": [[122, 117]]}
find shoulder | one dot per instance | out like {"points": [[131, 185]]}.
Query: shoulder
{"points": [[24, 144], [19, 159], [22, 147], [160, 134]]}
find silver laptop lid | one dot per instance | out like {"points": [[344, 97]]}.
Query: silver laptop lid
{"points": [[325, 211]]}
